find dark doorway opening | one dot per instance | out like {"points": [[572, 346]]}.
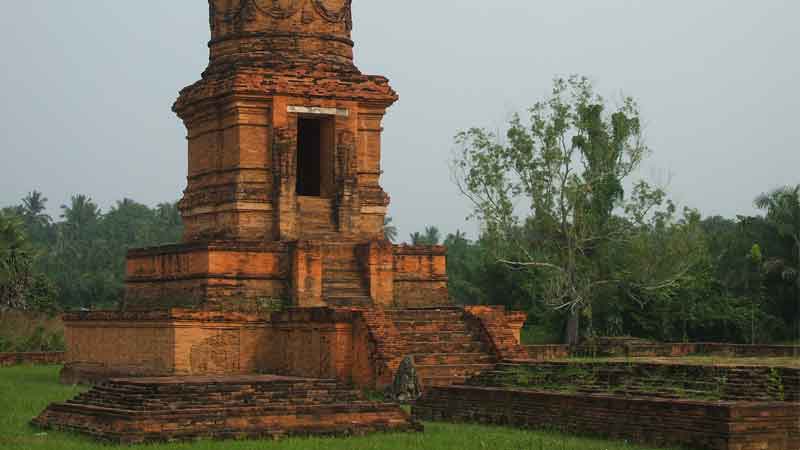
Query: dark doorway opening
{"points": [[309, 157]]}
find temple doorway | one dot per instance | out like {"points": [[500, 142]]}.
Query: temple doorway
{"points": [[314, 156]]}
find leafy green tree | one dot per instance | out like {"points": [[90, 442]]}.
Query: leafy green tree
{"points": [[81, 217], [546, 195], [782, 208], [22, 287]]}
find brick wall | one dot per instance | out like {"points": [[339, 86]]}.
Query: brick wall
{"points": [[633, 347], [649, 380], [229, 276], [31, 358], [420, 276], [717, 426], [310, 342], [500, 329]]}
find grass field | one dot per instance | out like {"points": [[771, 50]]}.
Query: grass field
{"points": [[25, 391]]}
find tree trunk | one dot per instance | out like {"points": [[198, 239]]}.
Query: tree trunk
{"points": [[572, 334]]}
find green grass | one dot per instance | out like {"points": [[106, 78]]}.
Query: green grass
{"points": [[539, 336], [25, 391]]}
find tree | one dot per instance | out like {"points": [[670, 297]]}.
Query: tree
{"points": [[546, 196], [783, 214], [431, 236], [389, 229], [37, 221], [81, 216], [22, 287]]}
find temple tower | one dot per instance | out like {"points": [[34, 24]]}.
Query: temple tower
{"points": [[283, 267], [283, 203], [284, 131]]}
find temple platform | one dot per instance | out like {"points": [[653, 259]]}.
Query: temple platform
{"points": [[359, 346], [148, 410]]}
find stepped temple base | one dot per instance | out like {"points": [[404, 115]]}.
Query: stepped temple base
{"points": [[145, 410], [258, 276], [363, 347]]}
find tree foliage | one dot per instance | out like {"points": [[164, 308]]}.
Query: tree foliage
{"points": [[83, 255], [22, 286], [548, 195]]}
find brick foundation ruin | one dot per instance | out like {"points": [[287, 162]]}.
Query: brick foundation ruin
{"points": [[708, 407], [657, 421], [142, 410]]}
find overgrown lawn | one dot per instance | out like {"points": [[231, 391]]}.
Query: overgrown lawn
{"points": [[25, 391]]}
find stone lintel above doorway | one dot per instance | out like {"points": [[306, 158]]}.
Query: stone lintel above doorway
{"points": [[315, 110]]}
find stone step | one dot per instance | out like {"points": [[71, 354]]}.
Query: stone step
{"points": [[351, 302], [335, 275], [344, 293], [343, 284], [429, 382], [452, 370], [422, 326], [438, 336], [444, 347], [190, 408], [453, 358], [449, 314]]}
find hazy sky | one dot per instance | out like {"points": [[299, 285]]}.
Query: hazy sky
{"points": [[87, 85]]}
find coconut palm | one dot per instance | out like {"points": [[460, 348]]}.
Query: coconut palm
{"points": [[33, 208]]}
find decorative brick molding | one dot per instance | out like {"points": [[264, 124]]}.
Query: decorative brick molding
{"points": [[707, 425], [500, 329], [32, 358]]}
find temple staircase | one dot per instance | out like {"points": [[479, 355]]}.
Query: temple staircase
{"points": [[316, 219], [444, 349], [344, 283]]}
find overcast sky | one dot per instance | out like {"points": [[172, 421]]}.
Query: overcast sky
{"points": [[87, 85]]}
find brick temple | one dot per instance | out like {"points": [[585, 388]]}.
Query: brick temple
{"points": [[283, 268]]}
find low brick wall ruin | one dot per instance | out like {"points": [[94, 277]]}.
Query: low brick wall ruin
{"points": [[707, 425], [34, 358], [648, 380], [632, 347]]}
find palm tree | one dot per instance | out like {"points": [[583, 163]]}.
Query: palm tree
{"points": [[783, 213], [80, 216], [389, 229], [432, 236], [33, 206], [37, 222]]}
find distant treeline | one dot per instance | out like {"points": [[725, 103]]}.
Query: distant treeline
{"points": [[741, 288], [78, 259]]}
